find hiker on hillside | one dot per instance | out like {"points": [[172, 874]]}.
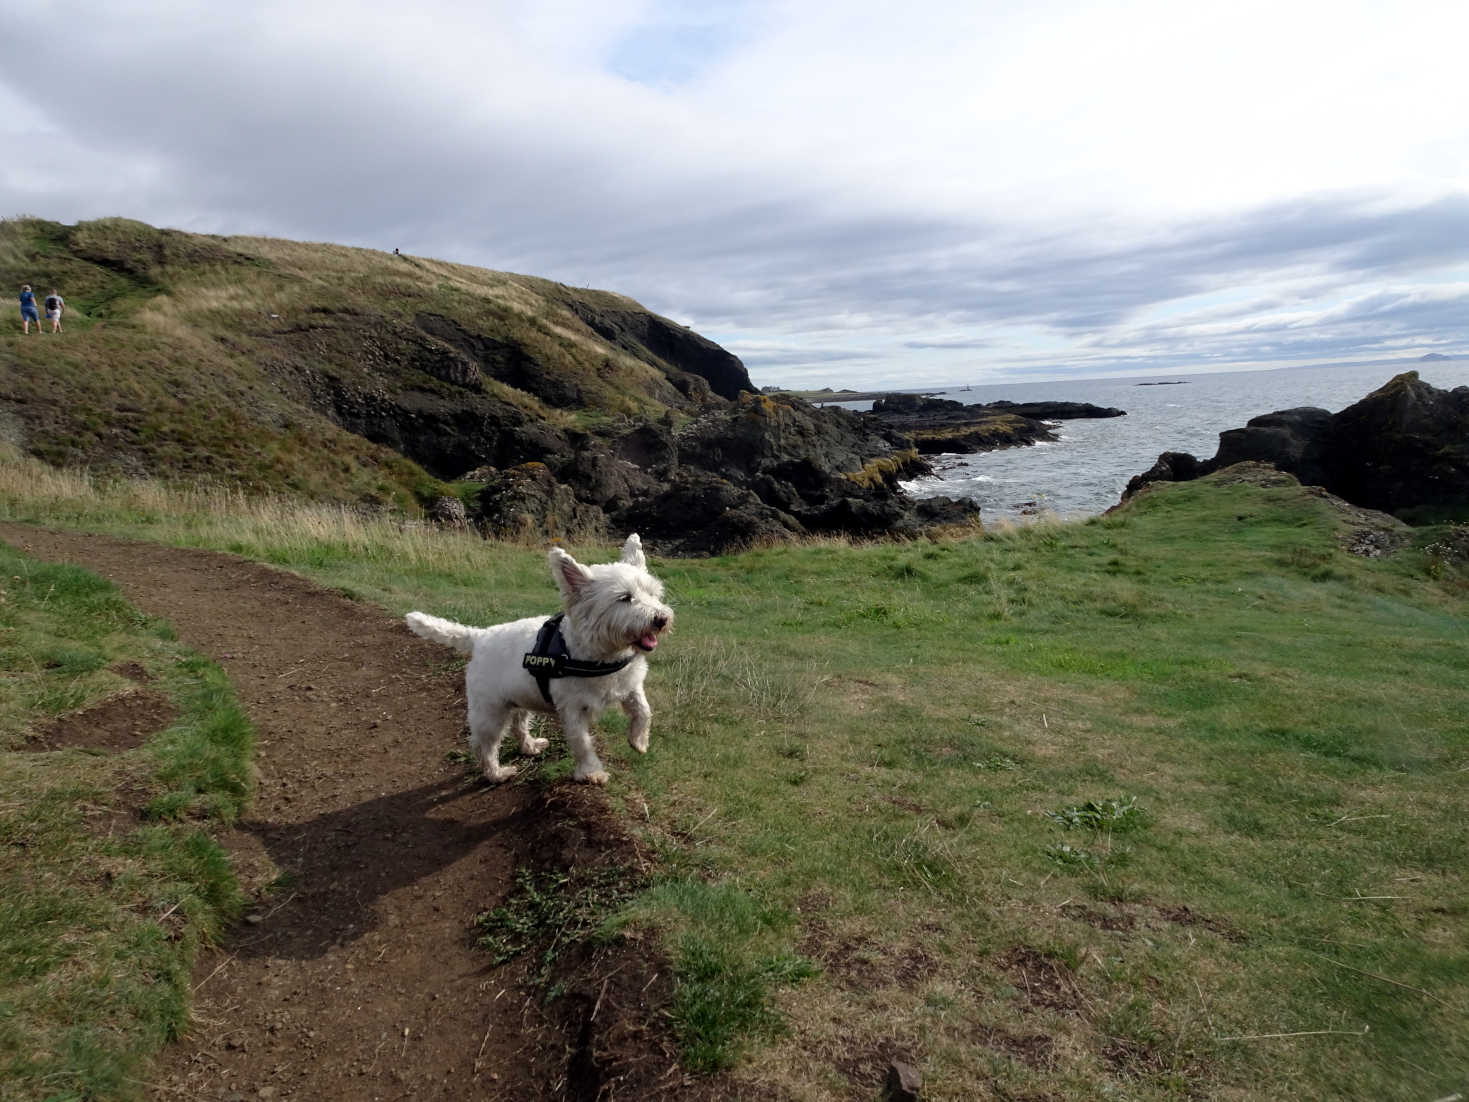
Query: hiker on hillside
{"points": [[54, 305], [28, 309]]}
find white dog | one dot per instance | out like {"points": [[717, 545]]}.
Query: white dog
{"points": [[576, 664]]}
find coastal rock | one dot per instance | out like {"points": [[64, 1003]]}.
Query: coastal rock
{"points": [[902, 404], [1290, 440], [985, 434], [700, 513], [941, 425], [899, 405], [527, 503], [1057, 411], [763, 434], [602, 477], [1170, 467], [444, 433], [946, 512], [759, 471], [1403, 449], [829, 468], [771, 467], [448, 512]]}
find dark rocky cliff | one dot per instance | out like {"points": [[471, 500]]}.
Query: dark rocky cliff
{"points": [[671, 345]]}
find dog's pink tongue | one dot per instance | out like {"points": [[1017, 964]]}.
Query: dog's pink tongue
{"points": [[649, 641]]}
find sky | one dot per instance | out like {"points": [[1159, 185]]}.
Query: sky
{"points": [[858, 193]]}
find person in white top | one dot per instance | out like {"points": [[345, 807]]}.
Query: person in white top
{"points": [[54, 305]]}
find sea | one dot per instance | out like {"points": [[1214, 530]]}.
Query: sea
{"points": [[1085, 471]]}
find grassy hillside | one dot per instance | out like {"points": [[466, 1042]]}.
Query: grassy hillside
{"points": [[277, 366], [1165, 805]]}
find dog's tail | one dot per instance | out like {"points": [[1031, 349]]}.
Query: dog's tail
{"points": [[447, 632]]}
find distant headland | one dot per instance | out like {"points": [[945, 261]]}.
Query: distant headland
{"points": [[827, 394]]}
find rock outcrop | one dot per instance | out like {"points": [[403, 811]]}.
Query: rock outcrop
{"points": [[1056, 411], [760, 470], [700, 513], [938, 425], [1403, 449], [681, 349], [484, 356], [740, 473], [527, 503]]}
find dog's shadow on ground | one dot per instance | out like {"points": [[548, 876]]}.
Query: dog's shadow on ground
{"points": [[338, 867]]}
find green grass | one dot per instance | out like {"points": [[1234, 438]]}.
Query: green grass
{"points": [[731, 959], [109, 881], [1069, 811]]}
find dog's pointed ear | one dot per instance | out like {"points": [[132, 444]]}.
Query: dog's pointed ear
{"points": [[571, 576], [632, 552]]}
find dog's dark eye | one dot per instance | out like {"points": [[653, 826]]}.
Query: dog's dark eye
{"points": [[625, 598]]}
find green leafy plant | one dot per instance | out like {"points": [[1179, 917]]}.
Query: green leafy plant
{"points": [[1073, 857], [1103, 816]]}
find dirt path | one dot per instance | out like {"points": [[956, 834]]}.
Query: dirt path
{"points": [[354, 977]]}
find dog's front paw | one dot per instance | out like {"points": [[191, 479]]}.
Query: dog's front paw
{"points": [[638, 740], [596, 776], [497, 773], [534, 745]]}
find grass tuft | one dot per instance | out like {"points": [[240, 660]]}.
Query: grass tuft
{"points": [[552, 911]]}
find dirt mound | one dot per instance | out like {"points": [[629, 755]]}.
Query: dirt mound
{"points": [[366, 856]]}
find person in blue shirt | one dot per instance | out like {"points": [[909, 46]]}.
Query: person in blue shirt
{"points": [[28, 309]]}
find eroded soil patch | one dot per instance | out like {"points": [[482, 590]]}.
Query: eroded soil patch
{"points": [[1043, 983], [1032, 1049], [118, 723]]}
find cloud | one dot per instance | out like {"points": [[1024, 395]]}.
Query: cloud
{"points": [[769, 356], [1059, 186], [955, 342]]}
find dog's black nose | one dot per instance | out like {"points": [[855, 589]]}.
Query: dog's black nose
{"points": [[660, 622]]}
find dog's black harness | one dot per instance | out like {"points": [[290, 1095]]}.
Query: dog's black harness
{"points": [[550, 659]]}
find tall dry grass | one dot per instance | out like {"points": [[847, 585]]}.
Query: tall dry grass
{"points": [[222, 517]]}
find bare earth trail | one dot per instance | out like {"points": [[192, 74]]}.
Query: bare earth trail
{"points": [[353, 976]]}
